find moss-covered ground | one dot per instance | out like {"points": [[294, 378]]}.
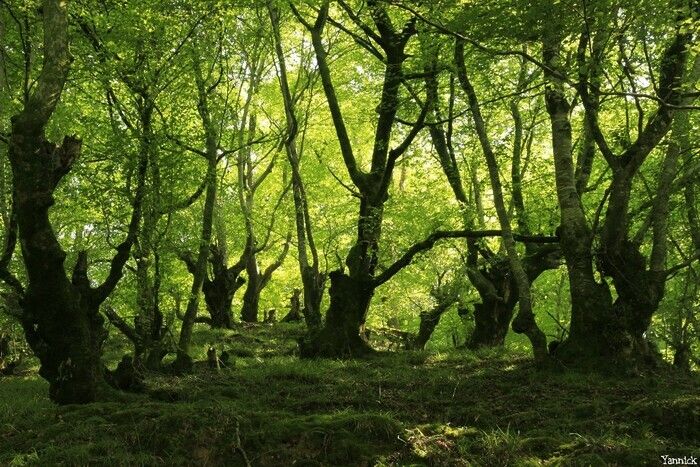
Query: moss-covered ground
{"points": [[406, 408]]}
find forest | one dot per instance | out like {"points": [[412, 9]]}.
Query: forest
{"points": [[349, 232]]}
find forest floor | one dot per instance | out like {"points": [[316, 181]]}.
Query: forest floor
{"points": [[405, 408]]}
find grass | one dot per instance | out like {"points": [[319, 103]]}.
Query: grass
{"points": [[409, 408]]}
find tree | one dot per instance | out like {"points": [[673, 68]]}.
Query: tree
{"points": [[312, 278], [60, 315], [603, 327], [351, 292], [493, 279], [136, 73]]}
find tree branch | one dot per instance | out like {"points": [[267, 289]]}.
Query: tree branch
{"points": [[121, 324], [7, 253], [116, 269], [331, 97], [430, 241]]}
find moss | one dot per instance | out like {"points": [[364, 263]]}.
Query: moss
{"points": [[413, 408]]}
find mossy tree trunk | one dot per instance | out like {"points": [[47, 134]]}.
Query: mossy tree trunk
{"points": [[351, 292], [148, 322], [603, 329], [498, 295], [148, 328], [313, 280], [498, 292], [60, 315], [340, 336]]}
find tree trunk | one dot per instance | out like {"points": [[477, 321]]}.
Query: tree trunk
{"points": [[493, 314], [428, 322], [350, 294], [491, 323], [66, 333], [220, 289], [312, 279], [314, 285], [591, 302], [499, 293], [258, 280], [183, 361], [604, 331], [61, 320], [294, 314], [251, 297], [525, 320], [340, 336]]}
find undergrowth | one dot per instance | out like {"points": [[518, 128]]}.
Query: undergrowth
{"points": [[405, 408]]}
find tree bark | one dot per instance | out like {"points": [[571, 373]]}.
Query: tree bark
{"points": [[492, 315], [183, 361], [313, 280], [525, 320], [251, 296], [60, 316]]}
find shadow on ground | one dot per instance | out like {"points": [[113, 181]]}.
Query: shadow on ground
{"points": [[408, 408]]}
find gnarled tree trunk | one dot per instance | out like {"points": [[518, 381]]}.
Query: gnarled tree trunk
{"points": [[341, 334], [221, 287], [60, 316], [603, 330]]}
